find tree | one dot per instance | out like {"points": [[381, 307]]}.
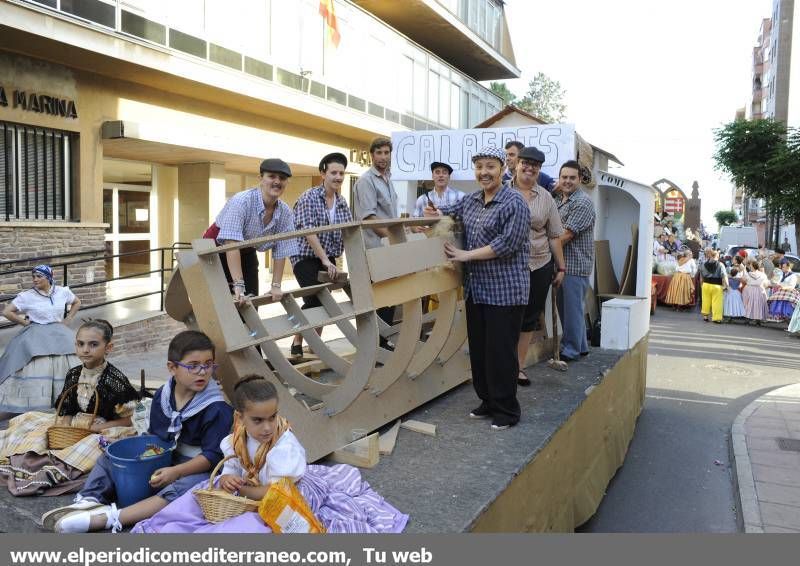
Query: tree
{"points": [[501, 90], [544, 99], [725, 217], [763, 156]]}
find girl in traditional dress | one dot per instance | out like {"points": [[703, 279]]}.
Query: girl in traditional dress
{"points": [[265, 449], [734, 305], [34, 363], [785, 296], [27, 464], [681, 287], [754, 294]]}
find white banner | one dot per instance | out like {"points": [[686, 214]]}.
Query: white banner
{"points": [[415, 151]]}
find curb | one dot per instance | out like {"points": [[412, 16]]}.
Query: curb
{"points": [[743, 471]]}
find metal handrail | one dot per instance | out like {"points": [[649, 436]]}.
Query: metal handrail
{"points": [[40, 259], [165, 268]]}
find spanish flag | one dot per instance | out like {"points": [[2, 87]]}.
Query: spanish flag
{"points": [[326, 11]]}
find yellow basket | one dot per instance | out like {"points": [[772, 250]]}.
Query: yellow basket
{"points": [[217, 504], [59, 437]]}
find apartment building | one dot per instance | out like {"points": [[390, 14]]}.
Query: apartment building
{"points": [[126, 124]]}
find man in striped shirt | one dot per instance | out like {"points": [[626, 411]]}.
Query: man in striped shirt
{"points": [[442, 194]]}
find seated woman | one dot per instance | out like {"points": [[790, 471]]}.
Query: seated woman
{"points": [[680, 292], [785, 297], [26, 462], [264, 449], [34, 363]]}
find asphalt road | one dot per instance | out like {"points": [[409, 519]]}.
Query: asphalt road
{"points": [[677, 476]]}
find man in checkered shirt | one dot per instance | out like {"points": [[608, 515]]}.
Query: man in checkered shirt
{"points": [[320, 206], [577, 216]]}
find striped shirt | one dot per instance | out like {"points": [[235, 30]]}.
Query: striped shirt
{"points": [[577, 216], [311, 211], [545, 224], [450, 196], [503, 224], [242, 219]]}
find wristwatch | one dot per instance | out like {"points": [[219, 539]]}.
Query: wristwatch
{"points": [[562, 269]]}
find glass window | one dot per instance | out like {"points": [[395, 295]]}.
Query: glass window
{"points": [[464, 119], [188, 16], [101, 12], [474, 109], [420, 99], [35, 177], [433, 96], [455, 106], [444, 101], [406, 86]]}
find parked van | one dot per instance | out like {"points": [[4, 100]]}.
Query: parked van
{"points": [[737, 236]]}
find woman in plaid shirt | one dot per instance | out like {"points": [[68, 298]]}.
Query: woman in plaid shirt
{"points": [[496, 223], [319, 206]]}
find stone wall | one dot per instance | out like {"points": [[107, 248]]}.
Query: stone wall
{"points": [[22, 240], [153, 333]]}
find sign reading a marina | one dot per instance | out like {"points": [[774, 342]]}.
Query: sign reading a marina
{"points": [[41, 103], [414, 151]]}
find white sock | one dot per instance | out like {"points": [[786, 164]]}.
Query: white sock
{"points": [[74, 523]]}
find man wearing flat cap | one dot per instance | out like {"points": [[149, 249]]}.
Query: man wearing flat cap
{"points": [[322, 205], [253, 213], [442, 194]]}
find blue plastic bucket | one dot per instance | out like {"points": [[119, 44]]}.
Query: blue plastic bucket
{"points": [[131, 474]]}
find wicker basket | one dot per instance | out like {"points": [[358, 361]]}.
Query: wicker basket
{"points": [[217, 504], [59, 437]]}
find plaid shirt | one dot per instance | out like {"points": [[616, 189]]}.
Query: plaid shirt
{"points": [[502, 224], [242, 219], [577, 216], [311, 211], [450, 196]]}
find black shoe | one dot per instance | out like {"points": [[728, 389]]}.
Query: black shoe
{"points": [[522, 380], [584, 354], [567, 358], [297, 350], [501, 424], [385, 344], [482, 412]]}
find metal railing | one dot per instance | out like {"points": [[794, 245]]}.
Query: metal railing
{"points": [[62, 270]]}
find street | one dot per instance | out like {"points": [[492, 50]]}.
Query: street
{"points": [[677, 476]]}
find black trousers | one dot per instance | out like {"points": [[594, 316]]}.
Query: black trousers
{"points": [[249, 270], [541, 280], [306, 271], [493, 333]]}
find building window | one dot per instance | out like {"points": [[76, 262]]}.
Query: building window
{"points": [[36, 172]]}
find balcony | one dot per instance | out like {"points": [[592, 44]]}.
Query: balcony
{"points": [[471, 35]]}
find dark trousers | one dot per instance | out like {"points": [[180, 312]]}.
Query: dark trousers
{"points": [[306, 271], [541, 280], [249, 270], [493, 333]]}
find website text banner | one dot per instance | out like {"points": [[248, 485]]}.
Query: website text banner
{"points": [[394, 550], [415, 151]]}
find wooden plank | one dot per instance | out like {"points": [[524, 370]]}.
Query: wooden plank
{"points": [[266, 299], [337, 364], [403, 289], [404, 349], [604, 269], [316, 366], [420, 427], [293, 331], [389, 262], [363, 453], [629, 283], [448, 302], [340, 277], [256, 242], [388, 439], [389, 222]]}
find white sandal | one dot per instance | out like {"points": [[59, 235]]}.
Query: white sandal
{"points": [[81, 521]]}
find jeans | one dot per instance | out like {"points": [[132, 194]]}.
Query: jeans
{"points": [[571, 309]]}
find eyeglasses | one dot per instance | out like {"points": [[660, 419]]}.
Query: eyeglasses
{"points": [[530, 164], [197, 369]]}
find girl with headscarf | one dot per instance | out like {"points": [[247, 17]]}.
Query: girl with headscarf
{"points": [[35, 361]]}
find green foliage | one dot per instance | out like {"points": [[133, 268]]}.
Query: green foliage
{"points": [[544, 99], [725, 217], [501, 89]]}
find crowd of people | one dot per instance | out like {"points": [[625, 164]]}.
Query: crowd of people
{"points": [[524, 234], [757, 289]]}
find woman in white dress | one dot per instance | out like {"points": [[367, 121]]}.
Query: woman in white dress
{"points": [[35, 361]]}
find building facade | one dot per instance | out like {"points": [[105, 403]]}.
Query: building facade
{"points": [[126, 124]]}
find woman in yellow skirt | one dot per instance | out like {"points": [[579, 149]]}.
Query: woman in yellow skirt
{"points": [[681, 287], [715, 281]]}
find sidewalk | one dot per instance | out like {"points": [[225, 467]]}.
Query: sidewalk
{"points": [[766, 451]]}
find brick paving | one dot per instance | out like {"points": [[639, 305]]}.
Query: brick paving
{"points": [[766, 447]]}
